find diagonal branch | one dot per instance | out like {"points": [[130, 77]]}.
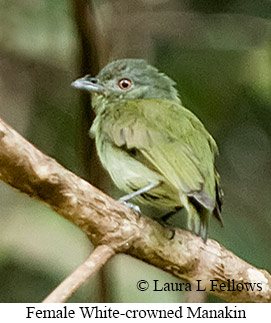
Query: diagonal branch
{"points": [[99, 256], [107, 222]]}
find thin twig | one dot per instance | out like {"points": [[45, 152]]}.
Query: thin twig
{"points": [[99, 256]]}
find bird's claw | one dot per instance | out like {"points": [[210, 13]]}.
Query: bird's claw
{"points": [[168, 227], [132, 206]]}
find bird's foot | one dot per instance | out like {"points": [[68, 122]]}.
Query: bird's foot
{"points": [[167, 226], [172, 232], [132, 206]]}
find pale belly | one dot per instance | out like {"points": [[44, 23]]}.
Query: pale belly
{"points": [[129, 175]]}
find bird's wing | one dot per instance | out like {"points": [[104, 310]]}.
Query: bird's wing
{"points": [[171, 139]]}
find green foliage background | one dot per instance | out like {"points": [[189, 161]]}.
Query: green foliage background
{"points": [[218, 52]]}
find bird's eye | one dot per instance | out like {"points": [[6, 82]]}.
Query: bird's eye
{"points": [[125, 84]]}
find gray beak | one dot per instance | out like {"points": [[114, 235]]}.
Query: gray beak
{"points": [[88, 83]]}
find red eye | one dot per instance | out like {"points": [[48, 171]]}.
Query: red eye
{"points": [[125, 84]]}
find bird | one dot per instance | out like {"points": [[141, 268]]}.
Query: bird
{"points": [[154, 149]]}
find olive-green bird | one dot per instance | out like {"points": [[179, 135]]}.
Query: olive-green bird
{"points": [[154, 149]]}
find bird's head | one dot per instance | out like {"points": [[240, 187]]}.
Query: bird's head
{"points": [[128, 79]]}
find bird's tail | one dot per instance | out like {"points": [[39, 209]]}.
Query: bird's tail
{"points": [[198, 220]]}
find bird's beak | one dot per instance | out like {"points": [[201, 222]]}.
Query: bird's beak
{"points": [[88, 83]]}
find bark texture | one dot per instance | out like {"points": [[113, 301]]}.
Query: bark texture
{"points": [[107, 222]]}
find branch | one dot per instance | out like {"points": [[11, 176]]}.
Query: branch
{"points": [[94, 262], [107, 222]]}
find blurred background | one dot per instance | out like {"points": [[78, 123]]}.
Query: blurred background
{"points": [[218, 52]]}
